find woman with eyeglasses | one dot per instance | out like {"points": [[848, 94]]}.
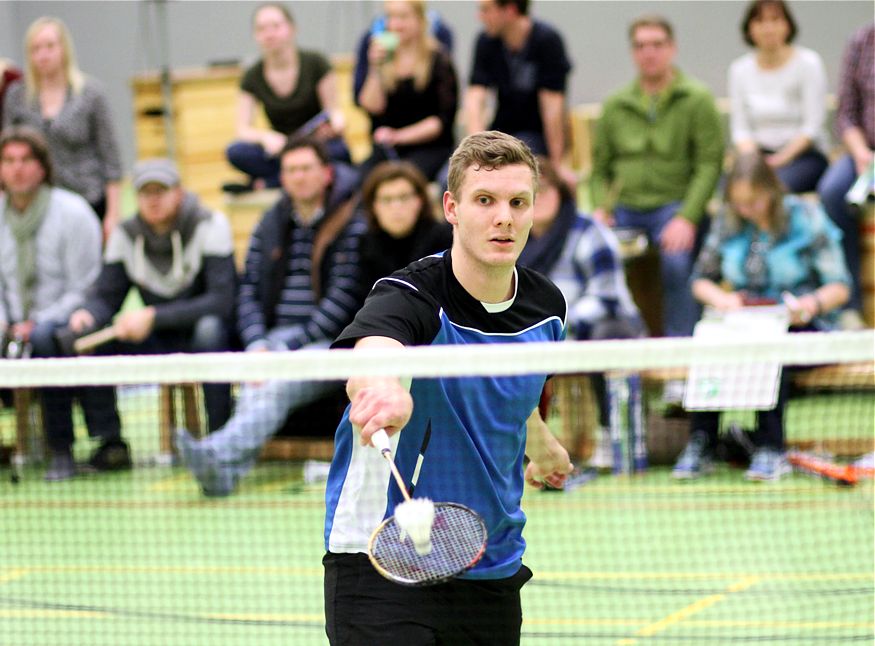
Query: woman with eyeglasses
{"points": [[765, 246], [402, 226]]}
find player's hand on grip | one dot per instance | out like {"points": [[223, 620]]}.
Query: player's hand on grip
{"points": [[385, 404], [551, 470]]}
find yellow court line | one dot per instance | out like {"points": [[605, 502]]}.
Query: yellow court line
{"points": [[700, 623], [265, 617], [179, 569], [13, 575], [171, 483], [693, 608], [663, 576]]}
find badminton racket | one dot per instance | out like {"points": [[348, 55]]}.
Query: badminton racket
{"points": [[89, 342], [456, 535], [844, 474]]}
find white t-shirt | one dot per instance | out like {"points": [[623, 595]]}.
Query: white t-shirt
{"points": [[772, 107]]}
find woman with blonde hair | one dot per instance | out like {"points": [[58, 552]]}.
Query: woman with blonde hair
{"points": [[410, 91], [70, 108]]}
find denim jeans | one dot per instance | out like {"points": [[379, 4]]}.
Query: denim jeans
{"points": [[801, 174], [680, 310], [832, 188], [97, 402], [260, 412]]}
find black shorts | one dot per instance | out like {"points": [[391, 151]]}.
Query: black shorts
{"points": [[364, 609]]}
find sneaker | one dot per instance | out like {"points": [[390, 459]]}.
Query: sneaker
{"points": [[673, 392], [112, 455], [695, 461], [602, 458], [61, 466], [216, 480], [768, 464]]}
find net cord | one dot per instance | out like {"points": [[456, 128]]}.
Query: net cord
{"points": [[441, 361]]}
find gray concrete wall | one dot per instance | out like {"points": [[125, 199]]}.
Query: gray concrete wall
{"points": [[117, 39]]}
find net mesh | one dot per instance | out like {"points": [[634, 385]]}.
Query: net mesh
{"points": [[627, 554]]}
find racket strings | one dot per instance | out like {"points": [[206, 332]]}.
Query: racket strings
{"points": [[458, 538]]}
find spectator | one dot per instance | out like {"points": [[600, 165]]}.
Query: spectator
{"points": [[582, 258], [657, 158], [410, 91], [402, 226], [72, 111], [294, 86], [470, 295], [524, 61], [436, 26], [778, 97], [762, 245], [49, 255], [299, 288], [8, 74], [855, 124], [178, 256]]}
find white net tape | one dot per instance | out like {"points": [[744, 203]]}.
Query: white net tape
{"points": [[498, 359]]}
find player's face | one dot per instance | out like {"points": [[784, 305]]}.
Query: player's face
{"points": [[492, 215], [396, 207], [20, 171], [45, 50], [403, 20], [303, 175], [159, 205], [653, 52], [272, 30], [750, 203]]}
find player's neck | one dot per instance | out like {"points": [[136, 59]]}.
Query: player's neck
{"points": [[488, 284]]}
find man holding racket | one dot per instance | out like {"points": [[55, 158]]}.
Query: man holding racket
{"points": [[463, 440]]}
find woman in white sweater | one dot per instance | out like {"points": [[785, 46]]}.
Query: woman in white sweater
{"points": [[778, 97]]}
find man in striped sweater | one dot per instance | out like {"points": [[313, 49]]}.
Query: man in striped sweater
{"points": [[299, 289]]}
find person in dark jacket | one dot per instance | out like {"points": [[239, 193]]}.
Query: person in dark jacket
{"points": [[300, 288]]}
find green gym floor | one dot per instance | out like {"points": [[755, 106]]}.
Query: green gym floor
{"points": [[141, 558]]}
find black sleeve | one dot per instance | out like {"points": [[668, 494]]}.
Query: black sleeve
{"points": [[554, 66], [480, 73], [394, 309], [107, 293]]}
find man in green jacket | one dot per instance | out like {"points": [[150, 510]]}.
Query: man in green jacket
{"points": [[657, 158]]}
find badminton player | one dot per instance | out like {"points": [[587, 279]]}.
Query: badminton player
{"points": [[481, 427]]}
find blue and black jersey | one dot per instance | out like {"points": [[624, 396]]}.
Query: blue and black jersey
{"points": [[478, 437]]}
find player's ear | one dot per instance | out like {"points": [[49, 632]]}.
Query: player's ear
{"points": [[450, 208]]}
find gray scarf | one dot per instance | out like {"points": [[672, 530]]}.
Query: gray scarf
{"points": [[24, 226]]}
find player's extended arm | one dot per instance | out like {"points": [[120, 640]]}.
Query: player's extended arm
{"points": [[378, 402], [548, 460]]}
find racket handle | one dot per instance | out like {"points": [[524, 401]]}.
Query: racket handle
{"points": [[380, 440]]}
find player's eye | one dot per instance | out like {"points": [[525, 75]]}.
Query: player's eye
{"points": [[519, 203], [484, 200]]}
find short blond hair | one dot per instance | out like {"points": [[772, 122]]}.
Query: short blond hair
{"points": [[489, 150], [74, 75]]}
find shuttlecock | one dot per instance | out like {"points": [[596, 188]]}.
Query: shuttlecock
{"points": [[414, 518]]}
